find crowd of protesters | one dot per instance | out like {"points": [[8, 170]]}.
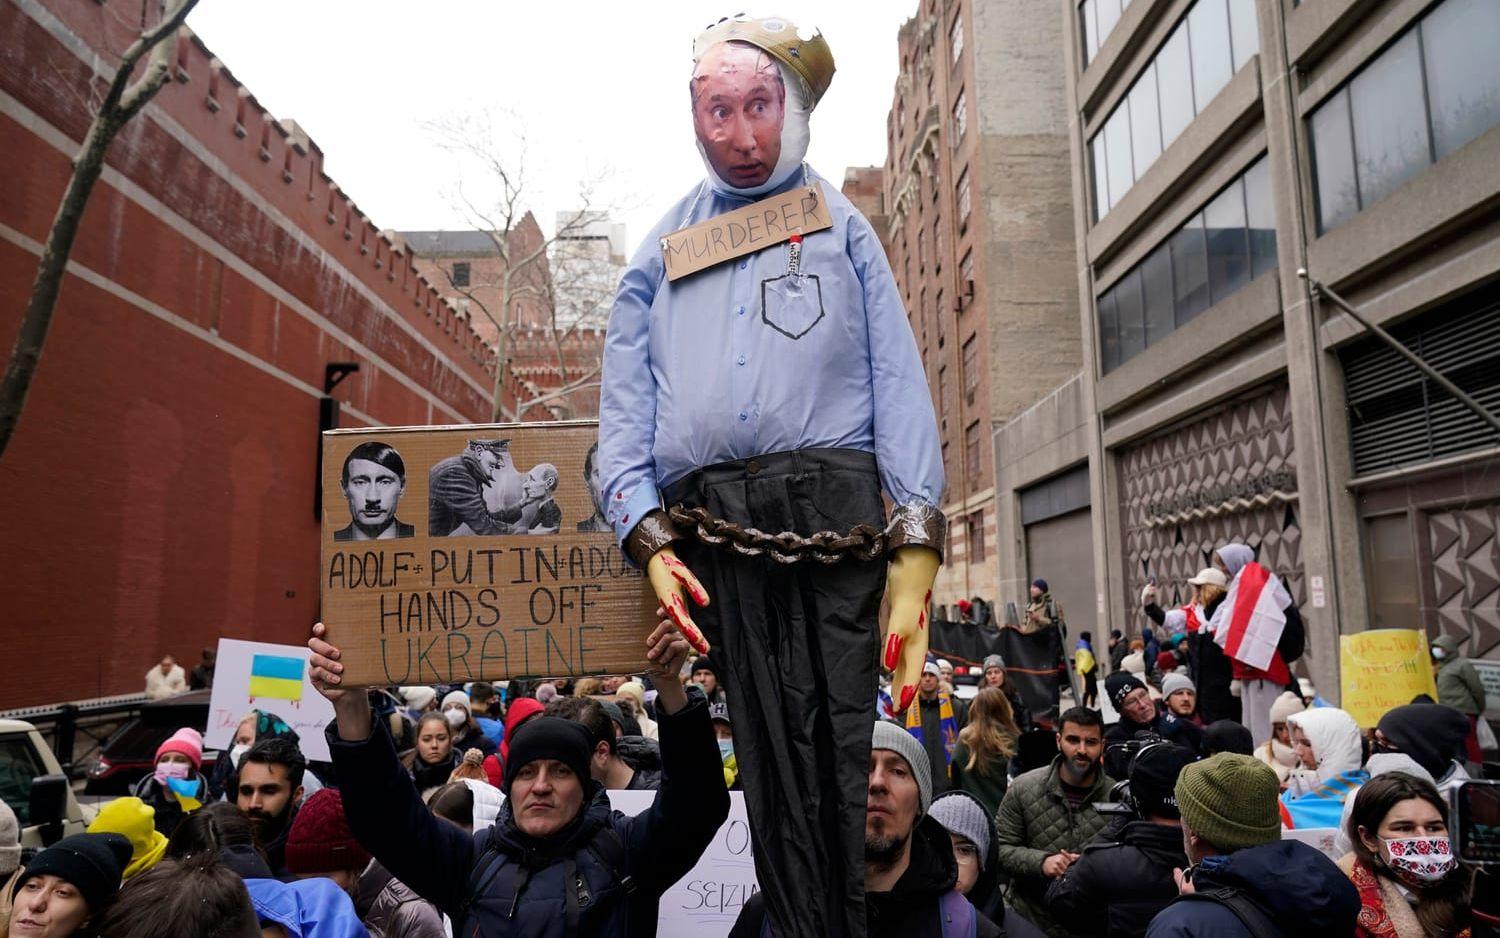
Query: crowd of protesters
{"points": [[482, 809]]}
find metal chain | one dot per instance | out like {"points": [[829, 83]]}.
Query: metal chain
{"points": [[863, 542]]}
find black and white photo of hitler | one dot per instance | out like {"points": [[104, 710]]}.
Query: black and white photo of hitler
{"points": [[374, 480]]}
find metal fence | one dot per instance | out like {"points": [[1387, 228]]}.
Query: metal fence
{"points": [[77, 730]]}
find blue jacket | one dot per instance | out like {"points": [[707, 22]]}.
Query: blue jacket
{"points": [[521, 882], [1324, 805], [308, 908], [1301, 890]]}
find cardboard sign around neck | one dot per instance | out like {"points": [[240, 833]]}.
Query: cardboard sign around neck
{"points": [[755, 227]]}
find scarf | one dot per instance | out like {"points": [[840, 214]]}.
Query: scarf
{"points": [[1383, 910], [947, 723]]}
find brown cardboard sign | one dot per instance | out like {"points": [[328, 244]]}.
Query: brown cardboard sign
{"points": [[744, 231], [475, 553]]}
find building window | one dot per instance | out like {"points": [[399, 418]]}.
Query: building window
{"points": [[960, 117], [940, 312], [976, 537], [971, 455], [956, 36], [922, 251], [963, 198], [970, 363], [1211, 42], [947, 472], [1430, 92], [943, 395], [1097, 19], [461, 273], [1216, 252], [966, 272], [939, 247]]}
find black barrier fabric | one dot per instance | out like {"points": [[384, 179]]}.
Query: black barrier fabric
{"points": [[1033, 663]]}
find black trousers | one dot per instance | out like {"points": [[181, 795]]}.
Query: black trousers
{"points": [[797, 649]]}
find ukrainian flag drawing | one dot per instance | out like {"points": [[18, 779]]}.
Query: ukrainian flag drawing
{"points": [[276, 677]]}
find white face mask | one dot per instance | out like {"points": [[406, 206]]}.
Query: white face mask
{"points": [[456, 717], [1420, 860], [236, 752]]}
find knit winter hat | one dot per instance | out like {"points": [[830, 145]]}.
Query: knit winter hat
{"points": [[615, 714], [704, 663], [1165, 661], [1432, 734], [458, 697], [10, 840], [418, 698], [896, 739], [994, 661], [1175, 682], [1153, 778], [635, 691], [1040, 584], [932, 668], [320, 840], [187, 741], [1284, 706], [1230, 801], [93, 863], [135, 820], [962, 814], [1118, 686], [1227, 736], [549, 738]]}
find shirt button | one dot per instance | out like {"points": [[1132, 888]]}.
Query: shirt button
{"points": [[742, 310], [744, 264], [744, 416], [742, 359]]}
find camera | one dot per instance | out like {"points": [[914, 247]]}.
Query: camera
{"points": [[1477, 804], [1119, 757]]}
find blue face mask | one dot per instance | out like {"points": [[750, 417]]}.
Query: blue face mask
{"points": [[726, 749]]}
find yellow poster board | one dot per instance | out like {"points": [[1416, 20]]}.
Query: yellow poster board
{"points": [[1382, 669]]}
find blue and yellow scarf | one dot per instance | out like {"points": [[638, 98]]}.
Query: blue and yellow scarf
{"points": [[947, 723]]}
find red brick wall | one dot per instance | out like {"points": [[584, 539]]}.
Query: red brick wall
{"points": [[158, 492]]}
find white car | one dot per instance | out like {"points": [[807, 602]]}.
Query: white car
{"points": [[33, 784]]}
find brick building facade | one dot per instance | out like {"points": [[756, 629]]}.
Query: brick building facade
{"points": [[158, 493]]}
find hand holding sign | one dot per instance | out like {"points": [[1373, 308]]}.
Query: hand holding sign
{"points": [[324, 666]]}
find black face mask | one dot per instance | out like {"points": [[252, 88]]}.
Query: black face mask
{"points": [[1380, 748]]}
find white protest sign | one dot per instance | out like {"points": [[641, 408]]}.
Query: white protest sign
{"points": [[705, 902], [1489, 676], [261, 676], [1321, 839]]}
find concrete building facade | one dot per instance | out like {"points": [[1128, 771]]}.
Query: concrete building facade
{"points": [[1219, 147], [977, 209]]}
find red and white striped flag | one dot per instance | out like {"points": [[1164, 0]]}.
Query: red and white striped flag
{"points": [[1248, 624]]}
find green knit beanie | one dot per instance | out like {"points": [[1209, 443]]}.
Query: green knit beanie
{"points": [[1230, 801]]}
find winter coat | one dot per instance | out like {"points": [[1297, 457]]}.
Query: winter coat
{"points": [[910, 908], [1119, 885], [989, 785], [1298, 888], [1212, 672], [390, 909], [168, 809], [307, 908], [160, 686], [474, 737], [1035, 821], [1168, 726], [428, 776], [501, 882], [1458, 683], [644, 756], [1117, 653]]}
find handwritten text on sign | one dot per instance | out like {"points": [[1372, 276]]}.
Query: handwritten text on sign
{"points": [[1381, 669], [745, 231], [474, 553]]}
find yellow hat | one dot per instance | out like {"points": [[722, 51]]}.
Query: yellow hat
{"points": [[136, 821], [810, 58]]}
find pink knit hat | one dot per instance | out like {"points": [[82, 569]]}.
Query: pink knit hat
{"points": [[187, 741]]}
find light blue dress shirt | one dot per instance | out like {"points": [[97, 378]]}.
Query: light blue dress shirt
{"points": [[704, 370]]}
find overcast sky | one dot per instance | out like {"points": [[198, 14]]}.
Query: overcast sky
{"points": [[598, 87]]}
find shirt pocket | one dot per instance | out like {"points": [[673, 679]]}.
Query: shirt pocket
{"points": [[792, 304]]}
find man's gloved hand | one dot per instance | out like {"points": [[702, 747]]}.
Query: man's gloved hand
{"points": [[908, 588], [670, 578]]}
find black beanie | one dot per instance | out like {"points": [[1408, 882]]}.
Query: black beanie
{"points": [[1119, 684], [550, 738], [1431, 733], [93, 863], [1153, 778], [1227, 736], [703, 663]]}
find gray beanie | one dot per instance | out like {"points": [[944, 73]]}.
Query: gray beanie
{"points": [[1175, 682], [10, 840], [895, 738], [994, 661], [962, 814]]}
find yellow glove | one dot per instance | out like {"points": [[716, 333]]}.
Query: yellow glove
{"points": [[669, 578], [908, 589]]}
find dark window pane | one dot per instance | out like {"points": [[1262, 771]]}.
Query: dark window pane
{"points": [[1156, 284], [1090, 31], [1208, 25], [1145, 124], [1132, 317], [1460, 40], [1109, 333], [1228, 248], [1243, 31], [1117, 151], [1390, 121], [1261, 216], [1189, 271], [1333, 156], [1174, 77], [1101, 176]]}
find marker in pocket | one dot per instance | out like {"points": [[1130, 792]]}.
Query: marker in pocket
{"points": [[794, 255]]}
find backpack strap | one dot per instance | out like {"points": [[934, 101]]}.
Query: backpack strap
{"points": [[956, 916], [609, 850], [490, 863], [1246, 909]]}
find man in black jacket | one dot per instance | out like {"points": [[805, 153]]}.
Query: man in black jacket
{"points": [[1118, 885], [910, 872], [1138, 714], [558, 862]]}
